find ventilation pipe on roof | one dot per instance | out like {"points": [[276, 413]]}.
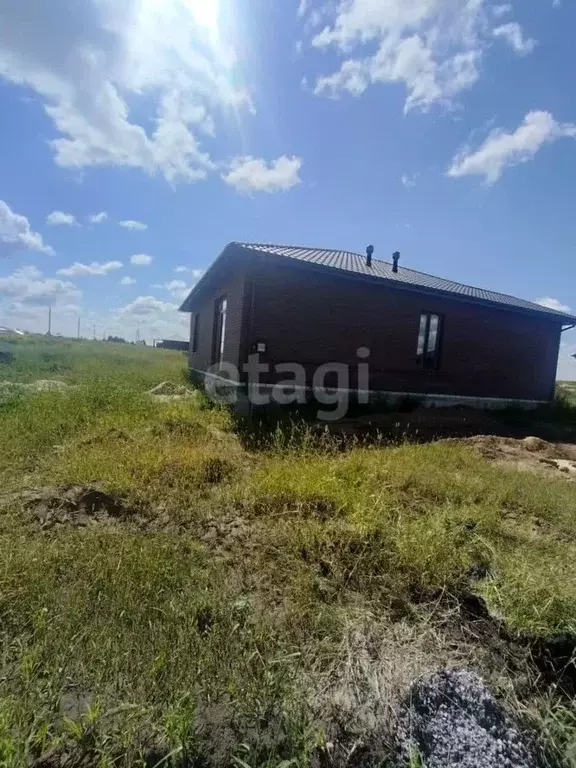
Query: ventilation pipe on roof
{"points": [[395, 259], [369, 252]]}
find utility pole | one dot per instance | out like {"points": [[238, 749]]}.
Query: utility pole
{"points": [[94, 331], [49, 321], [138, 336], [78, 327]]}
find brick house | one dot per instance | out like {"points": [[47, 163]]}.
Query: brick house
{"points": [[428, 337]]}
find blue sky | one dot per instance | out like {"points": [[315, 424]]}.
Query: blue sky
{"points": [[140, 137]]}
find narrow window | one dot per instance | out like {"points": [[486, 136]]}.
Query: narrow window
{"points": [[195, 332], [422, 336], [219, 329], [429, 340]]}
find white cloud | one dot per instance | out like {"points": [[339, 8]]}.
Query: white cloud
{"points": [[501, 10], [136, 226], [127, 281], [178, 288], [433, 47], [27, 286], [147, 305], [196, 273], [249, 174], [501, 149], [141, 259], [15, 233], [408, 180], [149, 318], [302, 8], [512, 33], [92, 269], [175, 285], [550, 303], [352, 76], [89, 59], [60, 219], [26, 295], [98, 218]]}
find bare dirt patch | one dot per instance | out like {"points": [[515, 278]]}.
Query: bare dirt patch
{"points": [[75, 505], [529, 453], [41, 385]]}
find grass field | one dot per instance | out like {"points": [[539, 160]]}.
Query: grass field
{"points": [[252, 607]]}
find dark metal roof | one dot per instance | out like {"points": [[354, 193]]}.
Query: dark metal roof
{"points": [[408, 278]]}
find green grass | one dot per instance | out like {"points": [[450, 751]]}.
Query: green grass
{"points": [[226, 619], [76, 362]]}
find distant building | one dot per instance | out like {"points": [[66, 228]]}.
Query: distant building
{"points": [[174, 344], [5, 331]]}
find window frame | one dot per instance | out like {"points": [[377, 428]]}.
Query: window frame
{"points": [[219, 328], [429, 359], [195, 333]]}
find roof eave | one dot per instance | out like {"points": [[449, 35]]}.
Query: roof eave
{"points": [[185, 306]]}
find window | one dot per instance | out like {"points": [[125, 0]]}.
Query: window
{"points": [[219, 329], [429, 340], [195, 332]]}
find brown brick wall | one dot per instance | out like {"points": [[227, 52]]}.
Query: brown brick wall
{"points": [[312, 318], [231, 286]]}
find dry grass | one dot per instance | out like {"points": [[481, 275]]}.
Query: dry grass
{"points": [[260, 604]]}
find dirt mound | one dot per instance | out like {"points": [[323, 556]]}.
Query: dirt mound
{"points": [[168, 390], [41, 385], [530, 453], [47, 385], [76, 505]]}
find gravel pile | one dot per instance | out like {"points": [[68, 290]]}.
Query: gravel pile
{"points": [[451, 720]]}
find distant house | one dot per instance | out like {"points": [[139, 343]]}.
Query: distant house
{"points": [[181, 346], [426, 336], [5, 331]]}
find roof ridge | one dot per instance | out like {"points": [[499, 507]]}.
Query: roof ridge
{"points": [[297, 248]]}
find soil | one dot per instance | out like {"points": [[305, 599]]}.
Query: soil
{"points": [[41, 385], [75, 505], [529, 453]]}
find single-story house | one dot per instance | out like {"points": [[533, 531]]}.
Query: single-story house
{"points": [[176, 344], [428, 337]]}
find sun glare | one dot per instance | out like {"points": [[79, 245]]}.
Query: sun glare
{"points": [[206, 12]]}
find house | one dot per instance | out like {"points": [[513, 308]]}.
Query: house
{"points": [[395, 330], [176, 344], [5, 331]]}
